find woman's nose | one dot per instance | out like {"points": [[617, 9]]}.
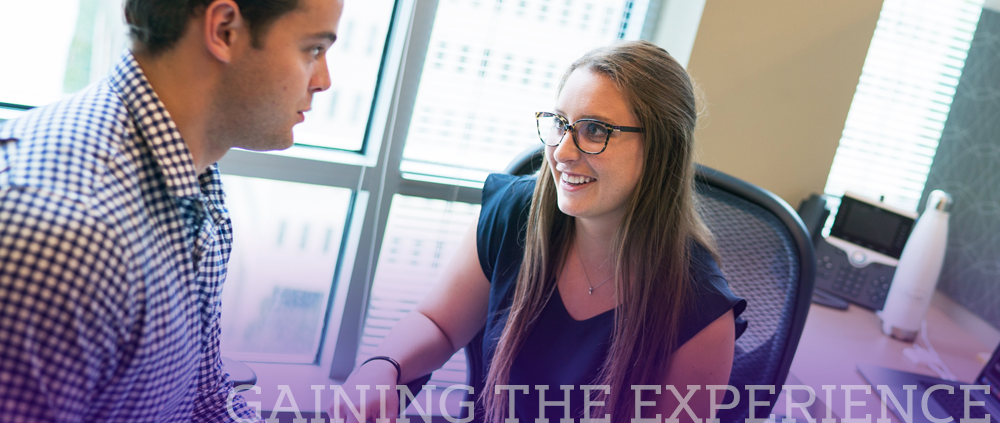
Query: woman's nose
{"points": [[566, 151]]}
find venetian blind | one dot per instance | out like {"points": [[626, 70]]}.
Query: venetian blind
{"points": [[903, 98]]}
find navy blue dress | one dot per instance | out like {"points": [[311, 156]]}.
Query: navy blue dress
{"points": [[560, 350]]}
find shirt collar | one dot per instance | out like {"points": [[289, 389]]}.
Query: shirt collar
{"points": [[154, 125]]}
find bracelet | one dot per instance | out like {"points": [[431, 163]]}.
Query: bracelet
{"points": [[399, 371]]}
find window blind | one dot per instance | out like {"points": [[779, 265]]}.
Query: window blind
{"points": [[903, 98]]}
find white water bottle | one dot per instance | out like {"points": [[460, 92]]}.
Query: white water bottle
{"points": [[918, 271]]}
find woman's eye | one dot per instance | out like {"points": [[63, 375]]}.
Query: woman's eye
{"points": [[595, 131], [316, 51]]}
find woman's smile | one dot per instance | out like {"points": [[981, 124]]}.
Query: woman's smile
{"points": [[574, 182]]}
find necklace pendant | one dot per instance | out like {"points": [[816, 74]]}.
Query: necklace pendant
{"points": [[591, 291]]}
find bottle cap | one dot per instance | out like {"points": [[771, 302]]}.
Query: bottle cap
{"points": [[939, 200]]}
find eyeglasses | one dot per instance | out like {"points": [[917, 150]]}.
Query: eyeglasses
{"points": [[590, 135]]}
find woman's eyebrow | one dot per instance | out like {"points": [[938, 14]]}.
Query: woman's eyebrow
{"points": [[324, 35], [594, 117]]}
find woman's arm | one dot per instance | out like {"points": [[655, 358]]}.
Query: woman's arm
{"points": [[426, 338], [445, 320], [706, 359]]}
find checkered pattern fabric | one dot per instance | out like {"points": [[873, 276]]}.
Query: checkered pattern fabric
{"points": [[113, 252]]}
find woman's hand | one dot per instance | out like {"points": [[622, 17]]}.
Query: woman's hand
{"points": [[371, 395]]}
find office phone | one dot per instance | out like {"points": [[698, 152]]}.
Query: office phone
{"points": [[858, 259]]}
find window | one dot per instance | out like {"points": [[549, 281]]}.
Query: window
{"points": [[903, 98], [490, 67], [338, 236], [52, 49], [420, 236], [278, 285]]}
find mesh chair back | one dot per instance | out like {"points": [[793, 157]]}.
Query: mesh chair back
{"points": [[767, 259]]}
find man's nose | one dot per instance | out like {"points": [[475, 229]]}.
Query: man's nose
{"points": [[320, 80]]}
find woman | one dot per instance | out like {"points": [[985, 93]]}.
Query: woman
{"points": [[599, 273]]}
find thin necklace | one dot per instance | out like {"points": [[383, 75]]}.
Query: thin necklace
{"points": [[592, 287]]}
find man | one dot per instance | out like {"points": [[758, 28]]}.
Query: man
{"points": [[114, 237]]}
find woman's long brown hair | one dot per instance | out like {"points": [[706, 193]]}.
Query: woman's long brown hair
{"points": [[650, 249]]}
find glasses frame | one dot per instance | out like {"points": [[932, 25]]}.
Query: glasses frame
{"points": [[571, 128]]}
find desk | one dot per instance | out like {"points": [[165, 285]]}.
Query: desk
{"points": [[834, 341]]}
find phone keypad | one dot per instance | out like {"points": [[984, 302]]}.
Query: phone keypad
{"points": [[866, 286]]}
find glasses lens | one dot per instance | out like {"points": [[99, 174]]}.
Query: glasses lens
{"points": [[591, 136], [550, 129]]}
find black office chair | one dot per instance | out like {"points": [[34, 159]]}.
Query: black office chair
{"points": [[767, 258]]}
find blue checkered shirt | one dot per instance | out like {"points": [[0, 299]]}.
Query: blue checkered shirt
{"points": [[113, 252]]}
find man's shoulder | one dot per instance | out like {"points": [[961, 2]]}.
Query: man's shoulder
{"points": [[65, 147], [58, 237]]}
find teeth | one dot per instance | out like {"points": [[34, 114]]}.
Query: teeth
{"points": [[576, 179]]}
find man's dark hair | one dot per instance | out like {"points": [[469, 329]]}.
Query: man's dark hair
{"points": [[156, 25]]}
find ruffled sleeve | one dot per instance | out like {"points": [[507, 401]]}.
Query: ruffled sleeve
{"points": [[503, 221], [711, 297]]}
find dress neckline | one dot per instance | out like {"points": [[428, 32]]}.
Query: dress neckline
{"points": [[557, 297]]}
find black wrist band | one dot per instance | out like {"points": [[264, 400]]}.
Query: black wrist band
{"points": [[399, 371]]}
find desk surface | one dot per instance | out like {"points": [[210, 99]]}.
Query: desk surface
{"points": [[835, 341]]}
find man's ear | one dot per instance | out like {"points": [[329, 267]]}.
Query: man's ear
{"points": [[224, 28]]}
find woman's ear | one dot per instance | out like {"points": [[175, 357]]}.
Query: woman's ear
{"points": [[224, 29]]}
